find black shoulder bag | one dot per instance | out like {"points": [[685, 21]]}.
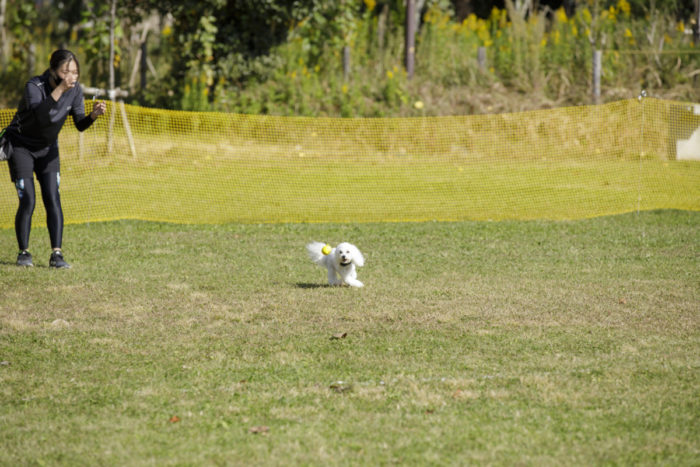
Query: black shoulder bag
{"points": [[5, 146]]}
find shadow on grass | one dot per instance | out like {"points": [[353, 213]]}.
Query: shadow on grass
{"points": [[306, 285], [13, 265]]}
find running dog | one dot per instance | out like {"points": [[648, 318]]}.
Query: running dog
{"points": [[340, 261]]}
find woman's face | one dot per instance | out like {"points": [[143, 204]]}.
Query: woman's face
{"points": [[68, 72]]}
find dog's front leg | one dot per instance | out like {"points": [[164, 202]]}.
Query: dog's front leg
{"points": [[354, 282], [350, 278], [333, 278]]}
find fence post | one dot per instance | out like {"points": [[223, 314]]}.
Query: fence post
{"points": [[112, 26], [410, 47], [641, 97], [481, 57], [346, 62], [597, 69], [31, 59], [127, 129]]}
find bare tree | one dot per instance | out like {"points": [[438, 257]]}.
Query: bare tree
{"points": [[4, 48], [696, 29], [413, 12]]}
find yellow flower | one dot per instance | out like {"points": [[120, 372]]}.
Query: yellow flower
{"points": [[390, 74], [483, 35], [624, 7], [471, 22], [503, 21], [543, 43], [574, 30], [344, 89], [418, 105], [370, 4], [681, 26], [628, 33], [587, 18], [561, 15]]}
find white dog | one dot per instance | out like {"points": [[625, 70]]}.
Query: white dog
{"points": [[340, 262]]}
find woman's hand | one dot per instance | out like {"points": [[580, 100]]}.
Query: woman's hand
{"points": [[61, 87], [98, 109]]}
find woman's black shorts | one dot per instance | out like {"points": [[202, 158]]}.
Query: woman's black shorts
{"points": [[24, 163]]}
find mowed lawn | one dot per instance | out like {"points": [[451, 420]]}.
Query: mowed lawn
{"points": [[501, 343]]}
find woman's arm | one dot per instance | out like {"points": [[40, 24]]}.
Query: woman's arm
{"points": [[82, 121]]}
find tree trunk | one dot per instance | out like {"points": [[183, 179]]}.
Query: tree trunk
{"points": [[144, 64], [4, 49], [112, 26], [696, 29], [382, 26]]}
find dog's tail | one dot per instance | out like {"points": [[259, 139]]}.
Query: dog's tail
{"points": [[315, 250]]}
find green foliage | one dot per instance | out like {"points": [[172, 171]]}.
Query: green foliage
{"points": [[93, 41], [546, 55], [287, 57], [23, 25]]}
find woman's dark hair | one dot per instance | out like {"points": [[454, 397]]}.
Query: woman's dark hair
{"points": [[61, 56]]}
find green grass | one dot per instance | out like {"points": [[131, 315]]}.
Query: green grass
{"points": [[339, 192], [539, 343]]}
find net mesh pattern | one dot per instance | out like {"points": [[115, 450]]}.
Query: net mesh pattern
{"points": [[191, 167]]}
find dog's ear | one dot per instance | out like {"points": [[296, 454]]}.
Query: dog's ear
{"points": [[357, 257]]}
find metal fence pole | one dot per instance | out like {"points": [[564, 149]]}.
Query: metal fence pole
{"points": [[597, 69]]}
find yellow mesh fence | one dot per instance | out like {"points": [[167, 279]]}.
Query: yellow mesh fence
{"points": [[187, 167]]}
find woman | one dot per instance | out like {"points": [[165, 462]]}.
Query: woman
{"points": [[47, 102]]}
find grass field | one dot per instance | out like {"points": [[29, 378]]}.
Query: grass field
{"points": [[339, 191], [531, 343]]}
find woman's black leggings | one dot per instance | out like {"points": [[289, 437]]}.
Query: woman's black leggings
{"points": [[49, 183]]}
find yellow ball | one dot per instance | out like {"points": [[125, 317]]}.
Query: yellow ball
{"points": [[326, 249]]}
